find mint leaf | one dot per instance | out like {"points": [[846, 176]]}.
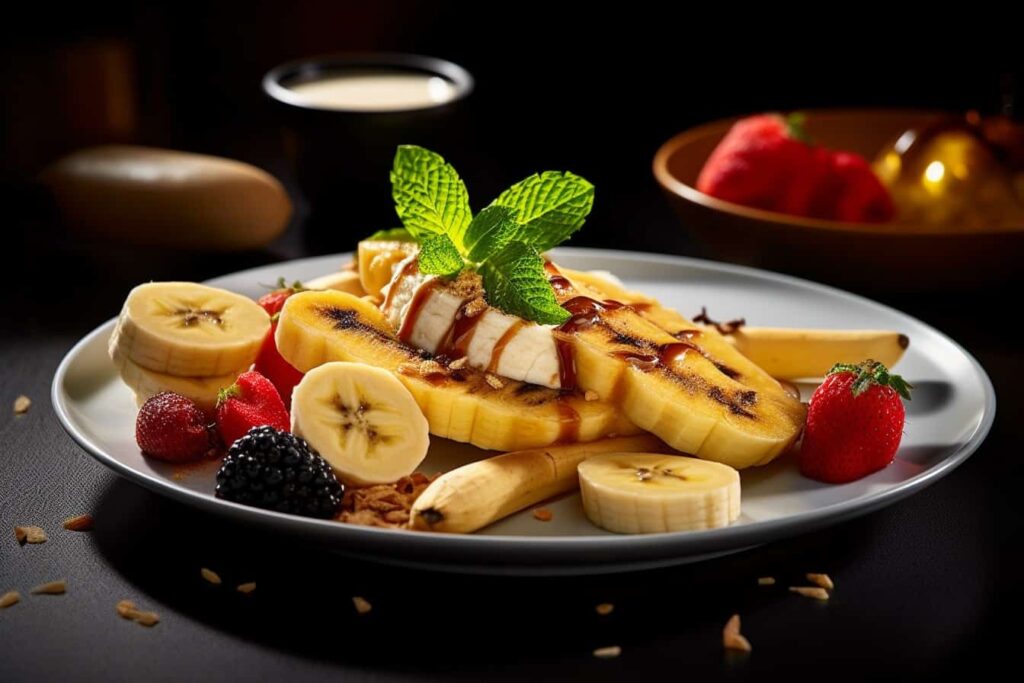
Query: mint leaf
{"points": [[489, 231], [438, 256], [515, 282], [391, 235], [551, 206], [430, 198]]}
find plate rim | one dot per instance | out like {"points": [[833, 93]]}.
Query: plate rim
{"points": [[672, 544]]}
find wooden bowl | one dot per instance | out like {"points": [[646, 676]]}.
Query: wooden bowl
{"points": [[865, 256]]}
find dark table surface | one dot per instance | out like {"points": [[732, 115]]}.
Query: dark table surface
{"points": [[922, 587]]}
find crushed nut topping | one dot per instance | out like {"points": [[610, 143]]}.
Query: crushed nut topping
{"points": [[766, 581], [604, 609], [126, 610], [543, 515], [728, 327], [384, 505], [51, 588], [9, 598], [246, 588], [816, 592], [29, 534], [493, 380], [474, 307], [361, 604], [823, 580], [732, 639], [590, 395], [22, 404], [210, 576], [458, 363], [79, 523], [608, 652]]}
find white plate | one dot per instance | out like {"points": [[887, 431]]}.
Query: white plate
{"points": [[951, 413]]}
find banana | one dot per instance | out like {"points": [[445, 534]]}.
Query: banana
{"points": [[687, 386], [645, 493], [459, 403], [147, 383], [480, 493], [343, 281], [377, 259], [189, 330], [362, 420], [809, 353]]}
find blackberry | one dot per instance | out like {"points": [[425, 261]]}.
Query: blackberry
{"points": [[278, 471]]}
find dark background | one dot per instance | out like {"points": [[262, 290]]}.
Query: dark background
{"points": [[922, 588]]}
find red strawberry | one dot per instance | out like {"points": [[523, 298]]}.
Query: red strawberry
{"points": [[172, 427], [273, 302], [274, 367], [863, 199], [252, 401], [854, 423], [755, 162]]}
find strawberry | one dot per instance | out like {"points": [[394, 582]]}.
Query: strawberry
{"points": [[269, 362], [863, 198], [272, 302], [756, 160], [854, 423], [173, 428], [252, 401], [274, 367]]}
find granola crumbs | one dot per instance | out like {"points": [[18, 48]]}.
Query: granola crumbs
{"points": [[474, 307], [80, 523], [543, 515], [766, 581], [604, 609], [816, 592], [458, 363], [384, 505], [732, 639], [51, 588], [210, 576], [149, 619], [493, 381], [823, 580], [126, 610], [29, 534], [608, 652], [22, 404], [246, 588], [590, 395], [9, 598], [361, 604]]}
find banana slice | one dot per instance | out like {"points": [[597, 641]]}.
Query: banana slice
{"points": [[377, 260], [146, 383], [362, 420], [646, 493], [343, 281], [189, 330]]}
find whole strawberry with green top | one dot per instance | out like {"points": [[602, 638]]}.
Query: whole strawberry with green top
{"points": [[854, 422]]}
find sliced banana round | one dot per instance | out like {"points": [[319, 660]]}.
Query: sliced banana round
{"points": [[147, 383], [362, 420], [645, 493], [343, 281], [189, 330]]}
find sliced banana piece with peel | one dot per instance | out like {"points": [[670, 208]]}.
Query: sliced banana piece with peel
{"points": [[362, 420], [189, 330], [644, 493]]}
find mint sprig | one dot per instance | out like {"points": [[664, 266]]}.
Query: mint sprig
{"points": [[503, 242]]}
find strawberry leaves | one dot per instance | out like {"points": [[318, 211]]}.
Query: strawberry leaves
{"points": [[870, 373]]}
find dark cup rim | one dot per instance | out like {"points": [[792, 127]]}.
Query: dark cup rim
{"points": [[274, 88]]}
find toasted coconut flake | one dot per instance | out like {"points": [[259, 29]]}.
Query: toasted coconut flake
{"points": [[9, 598], [608, 652], [604, 609], [29, 534], [493, 380], [458, 363], [816, 592], [52, 588], [80, 523], [22, 404], [361, 604], [823, 580], [246, 588], [766, 581], [210, 576], [732, 639], [543, 515], [590, 395]]}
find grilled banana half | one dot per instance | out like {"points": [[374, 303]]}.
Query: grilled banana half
{"points": [[459, 403]]}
